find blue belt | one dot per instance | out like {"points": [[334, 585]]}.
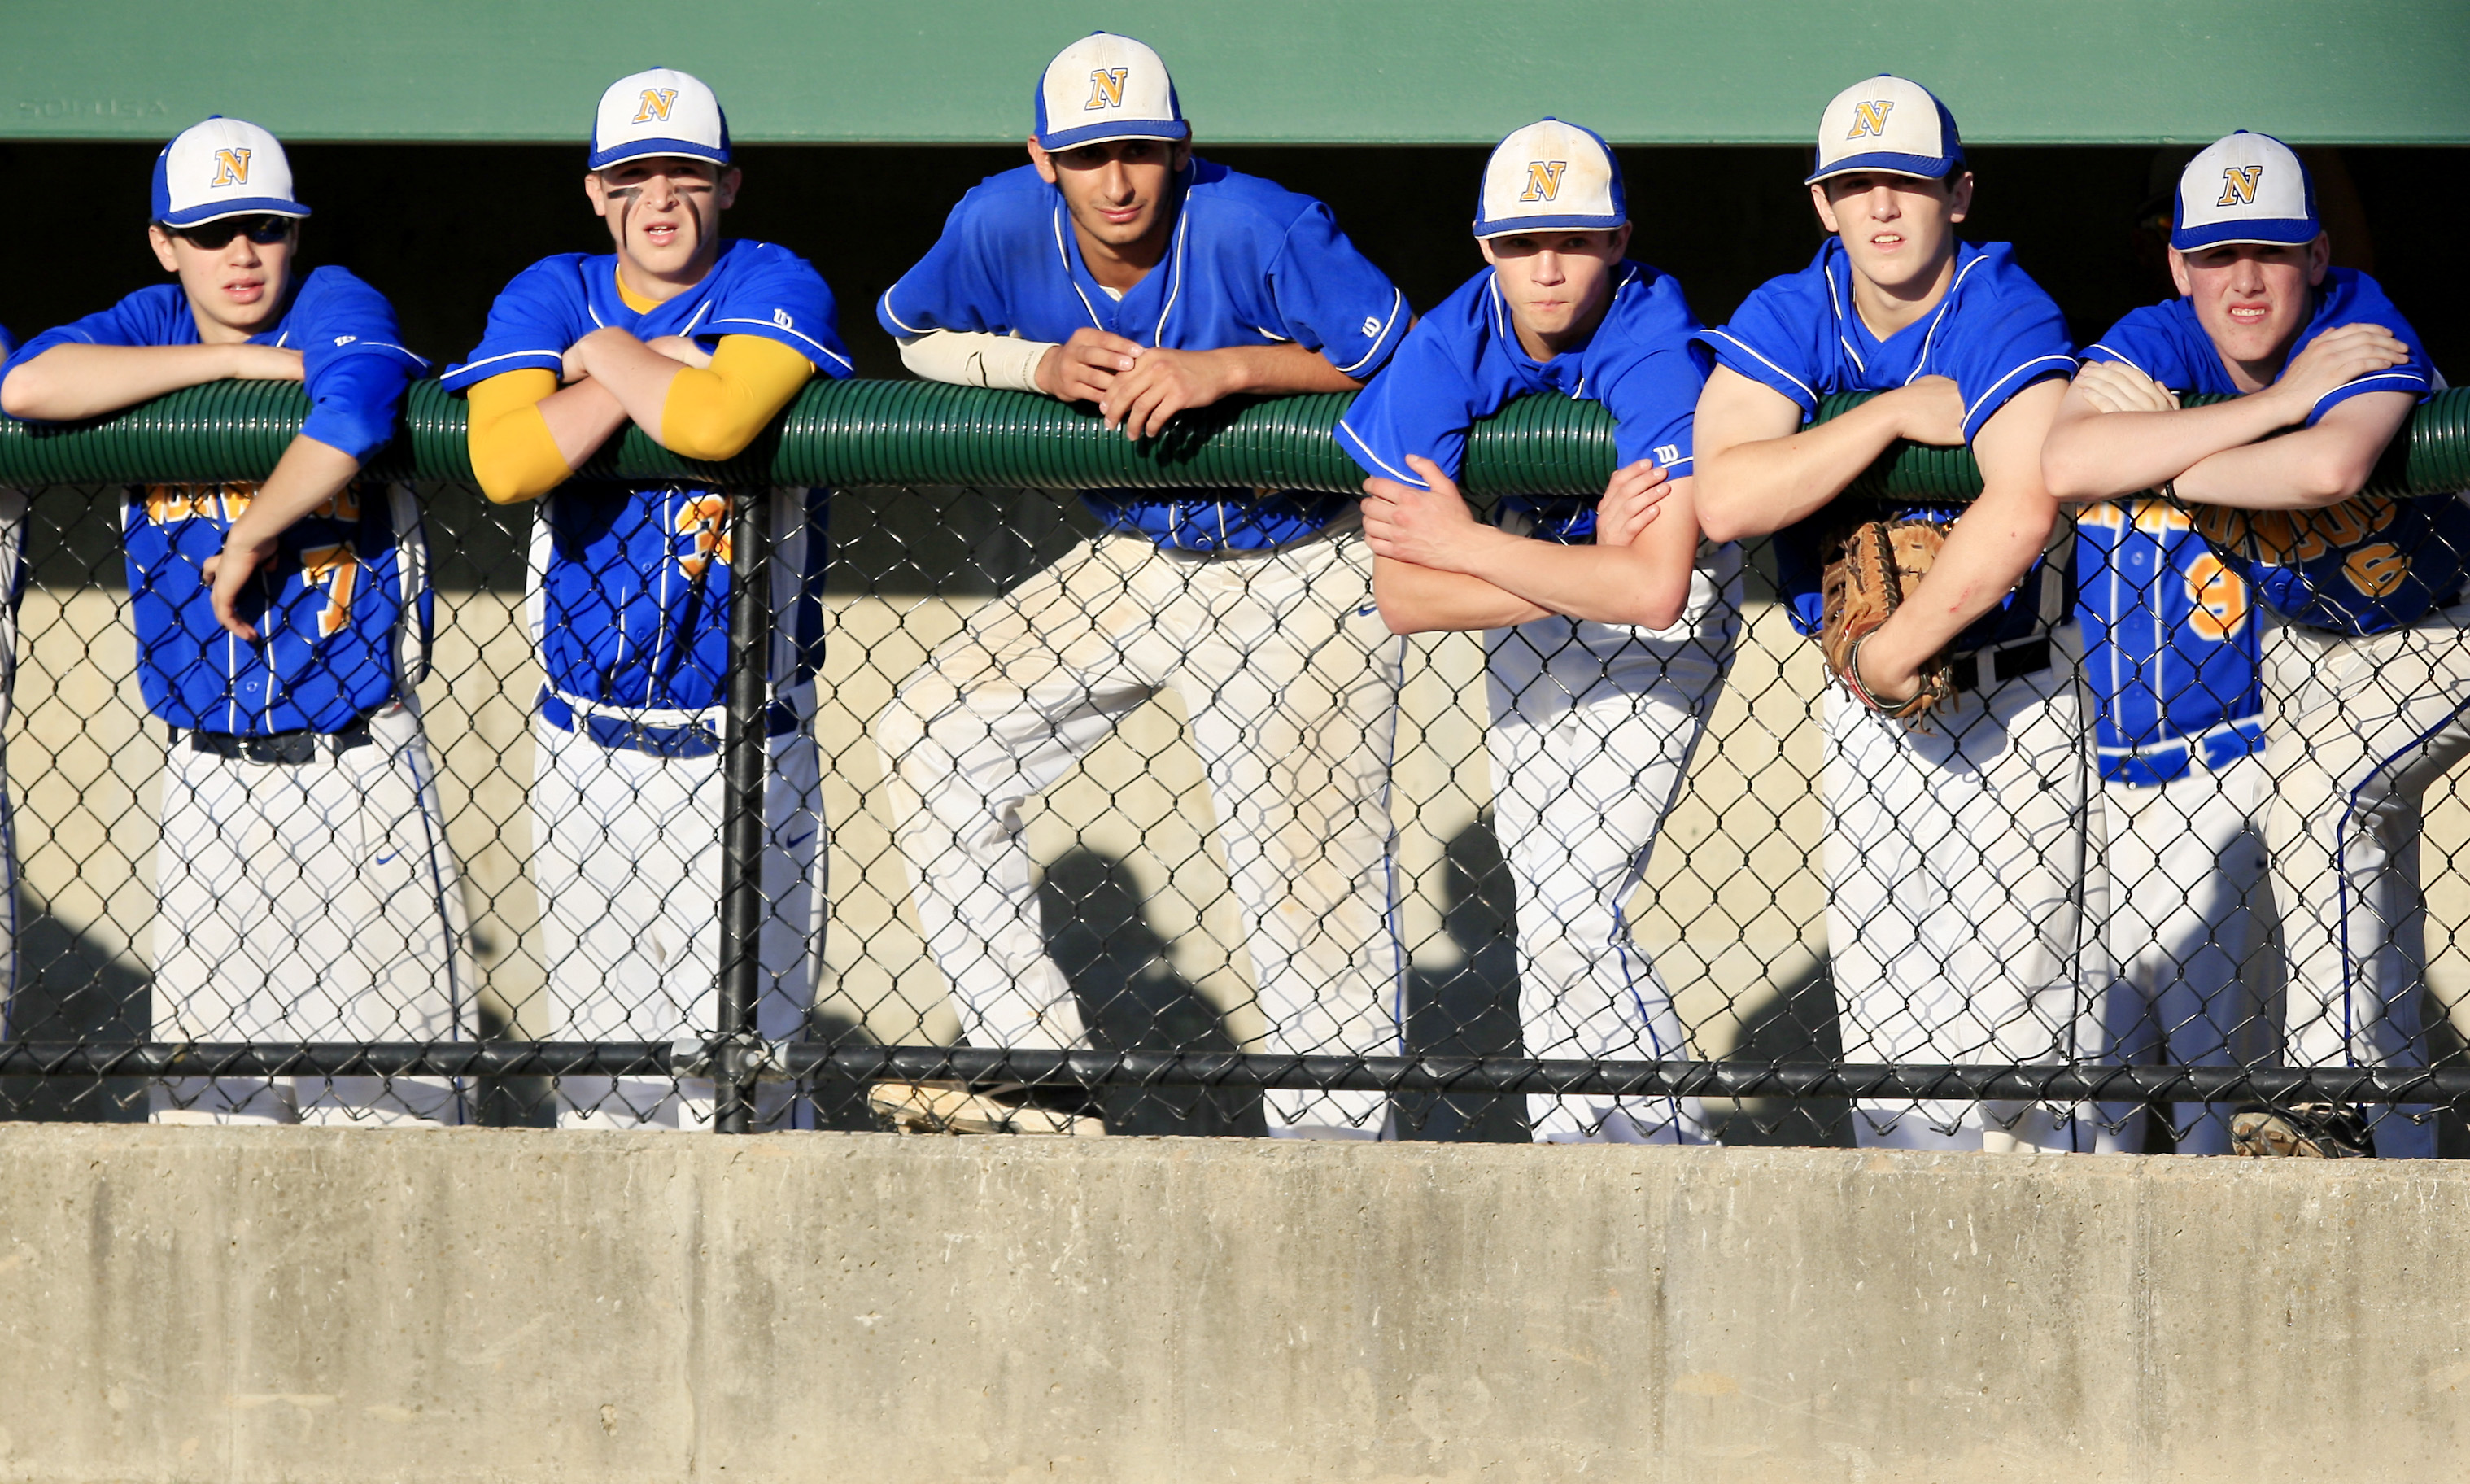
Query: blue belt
{"points": [[694, 739]]}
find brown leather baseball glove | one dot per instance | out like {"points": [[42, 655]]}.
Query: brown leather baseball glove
{"points": [[1870, 568]]}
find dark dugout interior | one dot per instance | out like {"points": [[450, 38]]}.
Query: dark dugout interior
{"points": [[440, 228]]}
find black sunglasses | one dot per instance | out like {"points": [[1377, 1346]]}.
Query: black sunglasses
{"points": [[265, 231]]}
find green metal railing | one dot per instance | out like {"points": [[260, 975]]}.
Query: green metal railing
{"points": [[840, 434]]}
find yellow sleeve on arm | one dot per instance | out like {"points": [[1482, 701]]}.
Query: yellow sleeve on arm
{"points": [[513, 455], [715, 412]]}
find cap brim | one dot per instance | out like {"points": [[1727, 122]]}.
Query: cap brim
{"points": [[1172, 130], [256, 206], [2281, 232], [654, 149], [1919, 167], [1514, 225]]}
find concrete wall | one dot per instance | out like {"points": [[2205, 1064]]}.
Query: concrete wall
{"points": [[278, 1304]]}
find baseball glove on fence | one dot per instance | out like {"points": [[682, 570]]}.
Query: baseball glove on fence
{"points": [[1868, 569]]}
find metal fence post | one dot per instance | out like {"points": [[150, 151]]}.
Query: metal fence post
{"points": [[745, 760]]}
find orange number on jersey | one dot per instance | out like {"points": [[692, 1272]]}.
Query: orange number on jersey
{"points": [[2376, 570], [2221, 596], [338, 570], [706, 517]]}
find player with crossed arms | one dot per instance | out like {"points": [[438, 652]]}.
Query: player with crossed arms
{"points": [[1608, 624], [698, 340], [2366, 672], [305, 890], [1119, 269], [1954, 857]]}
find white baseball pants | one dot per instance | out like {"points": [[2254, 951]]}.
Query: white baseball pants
{"points": [[2188, 931], [1957, 869], [2359, 729], [311, 901], [1592, 729], [1291, 683], [627, 855]]}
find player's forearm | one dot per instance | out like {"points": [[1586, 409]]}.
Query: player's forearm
{"points": [[632, 374], [715, 411], [1645, 583], [1426, 601], [2308, 469], [581, 418], [2091, 455], [1274, 370], [1987, 551], [527, 436], [976, 358], [307, 476], [1759, 487], [70, 382]]}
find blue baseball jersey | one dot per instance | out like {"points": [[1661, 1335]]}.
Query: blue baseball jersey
{"points": [[1250, 263], [1994, 334], [2365, 566], [1463, 362], [2171, 644], [344, 610], [629, 584]]}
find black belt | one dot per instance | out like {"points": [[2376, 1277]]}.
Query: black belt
{"points": [[2029, 658], [282, 746]]}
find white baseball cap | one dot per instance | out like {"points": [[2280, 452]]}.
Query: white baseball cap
{"points": [[660, 112], [1888, 124], [1105, 87], [222, 167], [1551, 174], [2248, 188]]}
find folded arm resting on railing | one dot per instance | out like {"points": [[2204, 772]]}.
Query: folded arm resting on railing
{"points": [[922, 432]]}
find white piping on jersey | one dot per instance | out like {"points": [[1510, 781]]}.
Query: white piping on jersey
{"points": [[1835, 303], [1770, 366], [1400, 475], [2043, 362], [2408, 378], [1175, 290], [595, 314], [786, 329], [1271, 335], [280, 339], [2123, 360], [465, 370], [390, 345], [886, 304], [1938, 317], [1397, 310], [1054, 220]]}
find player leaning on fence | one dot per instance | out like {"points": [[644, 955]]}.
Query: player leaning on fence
{"points": [[305, 889], [1606, 639], [2366, 670], [699, 341], [1954, 856], [1118, 268]]}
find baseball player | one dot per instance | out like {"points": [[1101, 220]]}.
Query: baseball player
{"points": [[1120, 270], [2171, 666], [307, 894], [2366, 674], [699, 340], [1605, 643], [13, 588], [1955, 857]]}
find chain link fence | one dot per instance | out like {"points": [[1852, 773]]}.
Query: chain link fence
{"points": [[1183, 870]]}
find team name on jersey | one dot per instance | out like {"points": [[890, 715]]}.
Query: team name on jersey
{"points": [[166, 504], [2294, 537]]}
